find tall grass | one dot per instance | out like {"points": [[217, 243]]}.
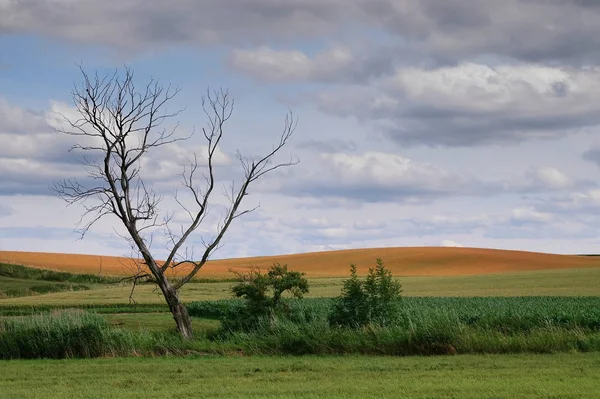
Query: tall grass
{"points": [[425, 326], [505, 314], [280, 336], [75, 333]]}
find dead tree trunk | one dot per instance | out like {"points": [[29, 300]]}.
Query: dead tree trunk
{"points": [[179, 311]]}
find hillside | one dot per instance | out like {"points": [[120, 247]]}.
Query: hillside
{"points": [[403, 261]]}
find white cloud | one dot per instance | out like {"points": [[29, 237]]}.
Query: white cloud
{"points": [[450, 243], [386, 170], [530, 215]]}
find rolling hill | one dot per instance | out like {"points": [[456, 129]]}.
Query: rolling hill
{"points": [[402, 261]]}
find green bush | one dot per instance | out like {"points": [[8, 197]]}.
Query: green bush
{"points": [[376, 300], [263, 295]]}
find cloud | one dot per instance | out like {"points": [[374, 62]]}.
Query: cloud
{"points": [[585, 202], [16, 120], [529, 216], [310, 223], [447, 31], [454, 30], [336, 64], [6, 210], [369, 224], [33, 154], [592, 155], [327, 146], [38, 232], [565, 229], [472, 104], [374, 229], [387, 177], [375, 177], [136, 25], [450, 243], [28, 134], [545, 179]]}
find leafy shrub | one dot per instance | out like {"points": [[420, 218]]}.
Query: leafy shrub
{"points": [[263, 295], [376, 300]]}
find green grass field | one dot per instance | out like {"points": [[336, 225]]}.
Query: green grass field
{"points": [[466, 377], [18, 287], [570, 282]]}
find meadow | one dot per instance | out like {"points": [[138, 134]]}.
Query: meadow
{"points": [[532, 316], [568, 376]]}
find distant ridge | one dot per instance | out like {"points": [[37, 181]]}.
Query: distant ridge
{"points": [[402, 261]]}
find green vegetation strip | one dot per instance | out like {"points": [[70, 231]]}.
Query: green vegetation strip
{"points": [[22, 281], [568, 376], [33, 273], [24, 310], [14, 287], [506, 314], [426, 326]]}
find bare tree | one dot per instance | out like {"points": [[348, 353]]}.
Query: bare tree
{"points": [[121, 126]]}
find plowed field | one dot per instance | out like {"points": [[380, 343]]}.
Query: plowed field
{"points": [[403, 261]]}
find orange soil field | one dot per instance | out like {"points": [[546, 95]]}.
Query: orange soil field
{"points": [[402, 261]]}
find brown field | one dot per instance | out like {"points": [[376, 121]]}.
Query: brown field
{"points": [[402, 261]]}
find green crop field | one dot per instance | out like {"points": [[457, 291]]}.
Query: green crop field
{"points": [[569, 282]]}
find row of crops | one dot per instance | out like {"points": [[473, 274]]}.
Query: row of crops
{"points": [[503, 314]]}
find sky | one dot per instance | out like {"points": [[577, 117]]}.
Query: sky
{"points": [[420, 122]]}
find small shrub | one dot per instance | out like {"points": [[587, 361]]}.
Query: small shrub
{"points": [[376, 300], [263, 295]]}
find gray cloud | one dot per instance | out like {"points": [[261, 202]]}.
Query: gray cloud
{"points": [[561, 230], [376, 177], [592, 155], [545, 179], [448, 30], [396, 228], [136, 25], [473, 104], [40, 232], [387, 177], [336, 64], [6, 210], [584, 203], [33, 154], [16, 120], [28, 134], [327, 146], [529, 30]]}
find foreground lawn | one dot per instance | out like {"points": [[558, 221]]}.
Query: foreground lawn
{"points": [[492, 376]]}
